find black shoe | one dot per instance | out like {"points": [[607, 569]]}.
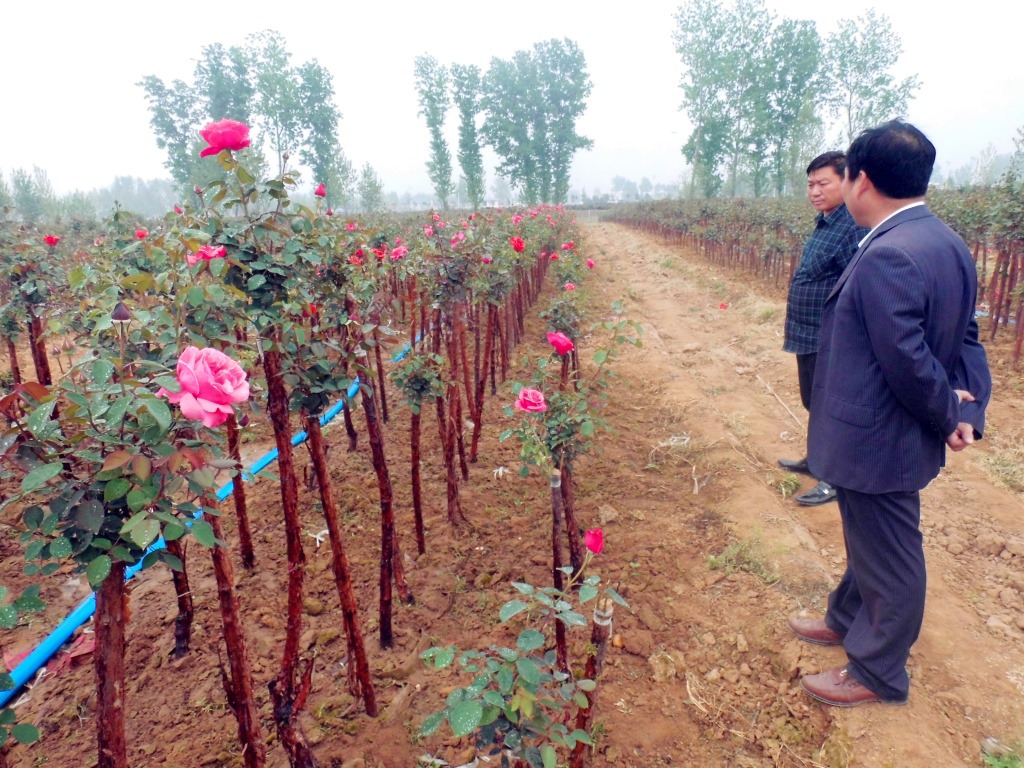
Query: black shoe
{"points": [[800, 465], [822, 493]]}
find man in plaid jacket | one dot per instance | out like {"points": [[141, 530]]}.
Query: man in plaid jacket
{"points": [[827, 252]]}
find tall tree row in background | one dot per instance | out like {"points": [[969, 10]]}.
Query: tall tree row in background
{"points": [[432, 84], [756, 88], [290, 107], [531, 104], [466, 84]]}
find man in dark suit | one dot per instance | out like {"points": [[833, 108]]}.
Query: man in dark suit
{"points": [[900, 375]]}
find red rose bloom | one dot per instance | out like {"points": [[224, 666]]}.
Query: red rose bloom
{"points": [[517, 244], [51, 240], [594, 540], [320, 191]]}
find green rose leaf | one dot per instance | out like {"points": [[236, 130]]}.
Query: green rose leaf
{"points": [[529, 640], [60, 548], [8, 616], [25, 733], [39, 476], [510, 609], [587, 593], [145, 533], [465, 717], [204, 533], [160, 412], [432, 723], [97, 571], [528, 670], [547, 753]]}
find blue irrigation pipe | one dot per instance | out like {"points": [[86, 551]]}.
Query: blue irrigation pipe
{"points": [[42, 653]]}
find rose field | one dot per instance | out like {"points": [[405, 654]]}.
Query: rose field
{"points": [[503, 492]]}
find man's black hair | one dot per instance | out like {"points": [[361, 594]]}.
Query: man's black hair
{"points": [[835, 160], [896, 156]]}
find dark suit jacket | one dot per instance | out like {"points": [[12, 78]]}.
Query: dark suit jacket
{"points": [[898, 335]]}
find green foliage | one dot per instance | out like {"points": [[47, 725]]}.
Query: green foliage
{"points": [[466, 82], [858, 83], [531, 104], [370, 190], [418, 377], [518, 700], [432, 82], [255, 83]]}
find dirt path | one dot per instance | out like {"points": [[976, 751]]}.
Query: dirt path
{"points": [[721, 404]]}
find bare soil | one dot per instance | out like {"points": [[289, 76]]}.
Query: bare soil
{"points": [[709, 551]]}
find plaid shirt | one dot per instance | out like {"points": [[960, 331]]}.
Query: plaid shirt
{"points": [[828, 250]]}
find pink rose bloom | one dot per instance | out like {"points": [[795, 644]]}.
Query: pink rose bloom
{"points": [[321, 190], [178, 210], [329, 211], [568, 246], [531, 401], [350, 226], [141, 233], [723, 305], [570, 286], [486, 259], [562, 343], [399, 252], [428, 231], [516, 219], [594, 540], [437, 217], [205, 253], [442, 224], [590, 263], [224, 134], [210, 382]]}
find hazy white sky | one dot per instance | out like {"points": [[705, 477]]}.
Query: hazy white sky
{"points": [[71, 105]]}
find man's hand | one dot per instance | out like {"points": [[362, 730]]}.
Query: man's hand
{"points": [[964, 395], [962, 437]]}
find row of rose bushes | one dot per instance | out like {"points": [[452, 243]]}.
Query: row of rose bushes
{"points": [[185, 311]]}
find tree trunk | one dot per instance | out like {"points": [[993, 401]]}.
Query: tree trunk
{"points": [[12, 352], [561, 647], [572, 530], [380, 377], [245, 546], [238, 685], [287, 694], [387, 517], [183, 623], [110, 646], [595, 665], [417, 495], [360, 683], [481, 381], [39, 359]]}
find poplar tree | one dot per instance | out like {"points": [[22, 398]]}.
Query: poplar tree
{"points": [[466, 82], [432, 84]]}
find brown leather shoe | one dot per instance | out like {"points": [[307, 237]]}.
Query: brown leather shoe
{"points": [[838, 688], [814, 631]]}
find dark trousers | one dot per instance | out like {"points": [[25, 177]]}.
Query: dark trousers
{"points": [[878, 606], [805, 374]]}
